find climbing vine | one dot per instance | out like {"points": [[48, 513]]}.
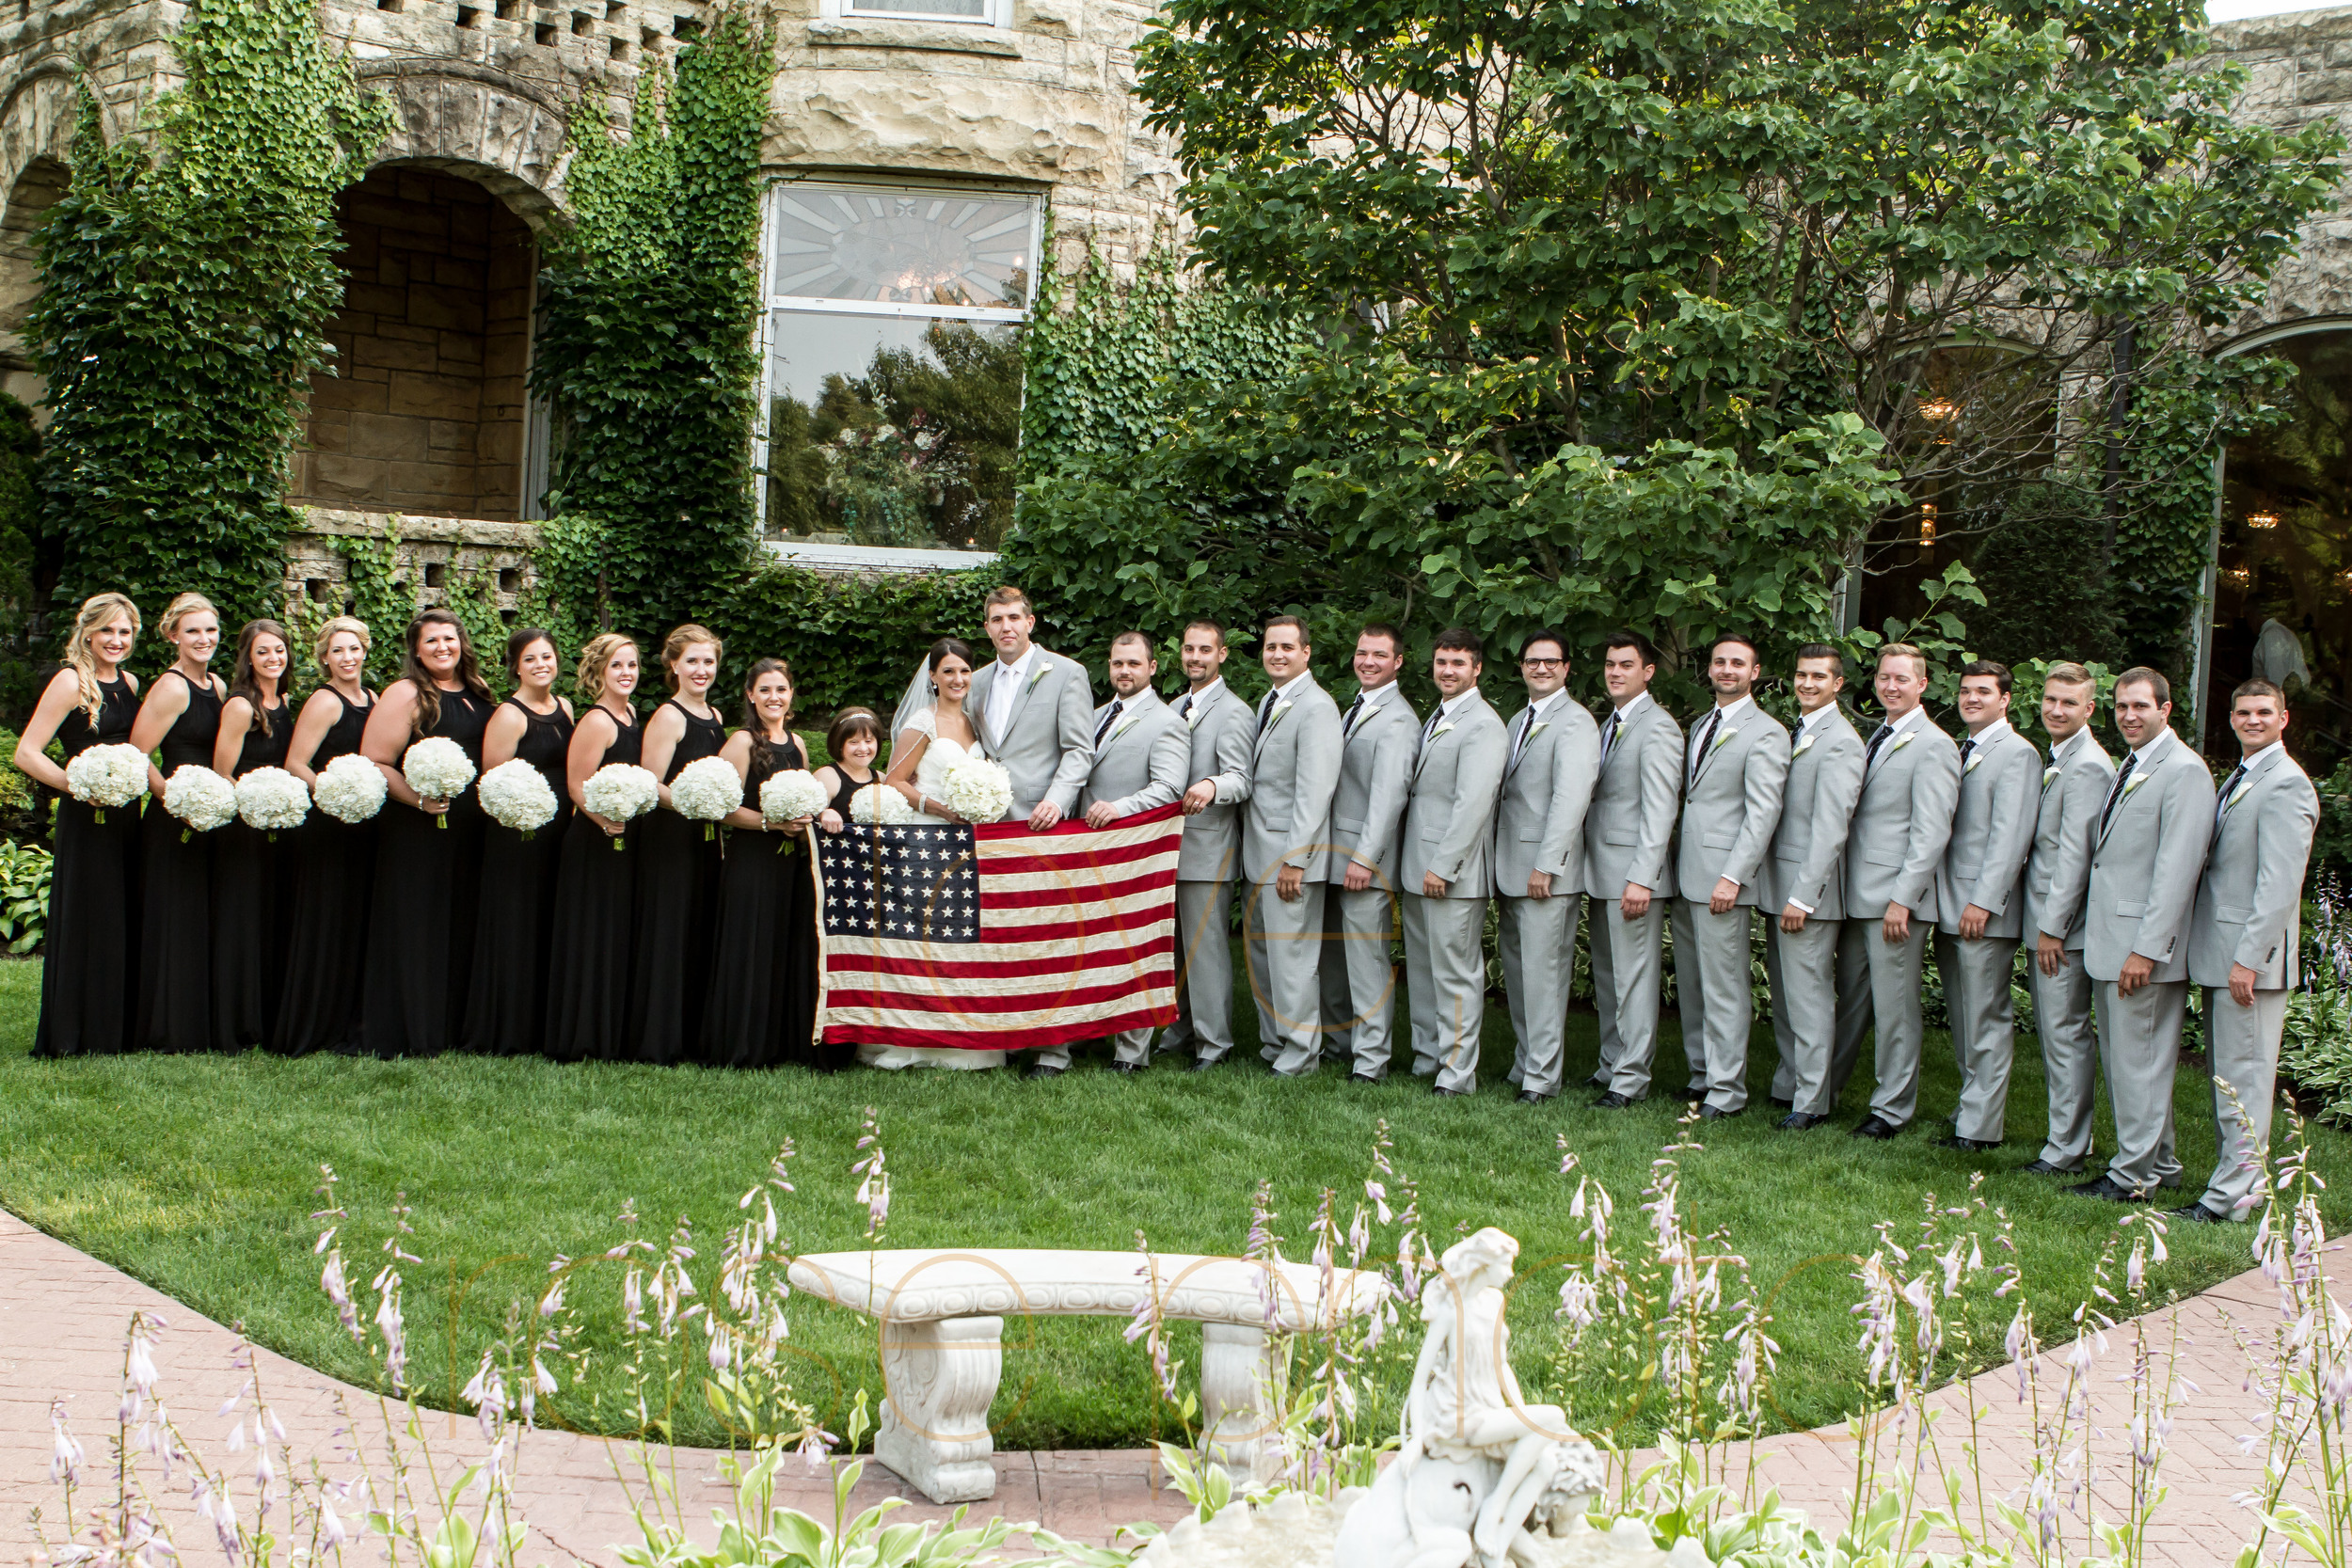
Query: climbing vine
{"points": [[187, 278], [647, 346]]}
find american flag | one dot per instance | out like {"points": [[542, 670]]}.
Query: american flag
{"points": [[997, 938]]}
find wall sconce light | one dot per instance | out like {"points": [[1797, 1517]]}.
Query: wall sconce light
{"points": [[1927, 524], [2238, 576], [1938, 409], [2262, 519]]}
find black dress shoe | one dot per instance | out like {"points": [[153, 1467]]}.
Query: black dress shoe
{"points": [[2196, 1213], [1784, 1104], [1613, 1101], [1597, 1081], [1039, 1069], [1441, 1090], [2105, 1187], [1529, 1097], [1873, 1127], [1974, 1145], [1710, 1113], [1202, 1064], [1361, 1078], [1128, 1069], [1800, 1121], [2043, 1167]]}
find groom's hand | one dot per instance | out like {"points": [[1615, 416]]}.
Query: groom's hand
{"points": [[1101, 815], [1046, 814], [1199, 797]]}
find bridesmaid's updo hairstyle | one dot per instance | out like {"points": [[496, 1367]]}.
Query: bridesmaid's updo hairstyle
{"points": [[848, 725], [244, 682], [752, 725], [687, 635], [594, 659], [179, 608], [521, 643], [335, 629], [412, 669], [96, 613]]}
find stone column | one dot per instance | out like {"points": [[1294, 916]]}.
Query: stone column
{"points": [[938, 1381]]}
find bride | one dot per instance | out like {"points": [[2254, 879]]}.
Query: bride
{"points": [[933, 734]]}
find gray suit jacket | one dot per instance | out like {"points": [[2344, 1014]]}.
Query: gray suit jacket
{"points": [[1145, 759], [2066, 830], [2144, 870], [1222, 727], [1375, 772], [1732, 804], [1048, 744], [1630, 823], [1992, 832], [2249, 902], [1449, 823], [1539, 825], [1295, 770], [1901, 822], [1808, 858]]}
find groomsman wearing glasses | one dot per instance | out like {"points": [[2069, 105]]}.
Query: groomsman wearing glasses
{"points": [[2057, 877], [1223, 731], [1379, 733], [1036, 713], [2243, 939], [1553, 754], [1803, 883], [1628, 831], [1285, 848], [2150, 850], [1733, 772]]}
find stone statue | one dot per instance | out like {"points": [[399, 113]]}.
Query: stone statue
{"points": [[1477, 1464]]}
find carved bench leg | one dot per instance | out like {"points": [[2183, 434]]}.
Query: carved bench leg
{"points": [[938, 1381], [1233, 1413]]}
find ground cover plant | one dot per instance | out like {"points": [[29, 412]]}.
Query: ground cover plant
{"points": [[196, 1174]]}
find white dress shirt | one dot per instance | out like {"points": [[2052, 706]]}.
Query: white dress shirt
{"points": [[1523, 724], [1010, 678], [1726, 714]]}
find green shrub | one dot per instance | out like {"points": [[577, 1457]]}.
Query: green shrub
{"points": [[24, 896], [2044, 594]]}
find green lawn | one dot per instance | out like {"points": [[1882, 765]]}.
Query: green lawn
{"points": [[195, 1173]]}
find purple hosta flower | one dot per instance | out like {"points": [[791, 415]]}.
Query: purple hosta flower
{"points": [[486, 1393], [1262, 1243], [139, 1366], [390, 1324], [65, 1453], [1579, 1304], [337, 1289], [873, 1187], [401, 1210], [331, 1533], [721, 1346], [633, 1300]]}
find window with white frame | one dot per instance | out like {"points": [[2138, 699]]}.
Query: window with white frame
{"points": [[984, 12], [894, 319]]}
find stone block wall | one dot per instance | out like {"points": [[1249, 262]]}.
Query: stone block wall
{"points": [[2299, 69], [441, 555]]}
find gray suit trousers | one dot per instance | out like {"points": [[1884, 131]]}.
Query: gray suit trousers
{"points": [[2063, 1006], [1983, 1025], [1711, 981], [1536, 941], [1358, 982], [1878, 985], [1205, 975], [1802, 970], [1626, 990], [1445, 977], [2139, 1048], [2242, 1043], [1285, 942]]}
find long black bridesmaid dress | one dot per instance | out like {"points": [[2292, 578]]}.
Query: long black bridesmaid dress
{"points": [[89, 971], [327, 941], [678, 889], [176, 907], [763, 972], [252, 873], [508, 1005], [588, 948], [421, 921]]}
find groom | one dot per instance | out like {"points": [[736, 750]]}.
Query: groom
{"points": [[1035, 712]]}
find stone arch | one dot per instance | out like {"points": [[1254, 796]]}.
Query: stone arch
{"points": [[36, 130], [478, 124]]}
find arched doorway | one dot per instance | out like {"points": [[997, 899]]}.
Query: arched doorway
{"points": [[36, 190]]}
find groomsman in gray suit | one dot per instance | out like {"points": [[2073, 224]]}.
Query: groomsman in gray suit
{"points": [[1222, 730], [1378, 732], [1035, 711], [2150, 849], [1733, 772], [1142, 755], [1980, 914], [1446, 866], [1547, 778], [1628, 830], [1901, 821], [1804, 880], [2244, 938], [2066, 830], [1285, 848]]}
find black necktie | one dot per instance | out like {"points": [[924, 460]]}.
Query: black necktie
{"points": [[2222, 802], [1519, 738], [2115, 791], [1965, 747], [1266, 710], [1609, 736], [1348, 727], [1707, 738], [1877, 739], [1183, 709], [1431, 728], [1110, 717]]}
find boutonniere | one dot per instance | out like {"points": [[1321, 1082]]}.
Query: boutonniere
{"points": [[1120, 728], [1723, 740], [2235, 796], [1538, 728], [1804, 746], [2049, 775], [2133, 788], [1275, 717], [1974, 763], [1038, 676], [1903, 741], [1441, 729]]}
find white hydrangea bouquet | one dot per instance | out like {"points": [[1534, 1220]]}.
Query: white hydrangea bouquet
{"points": [[792, 794], [879, 802], [517, 796], [108, 776], [351, 788], [272, 799], [200, 799], [976, 789], [437, 769], [621, 792], [706, 790]]}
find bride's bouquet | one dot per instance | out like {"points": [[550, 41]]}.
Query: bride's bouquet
{"points": [[792, 794], [879, 802], [517, 796], [351, 788], [272, 799], [200, 799], [621, 792], [706, 790], [108, 776], [976, 789], [437, 769]]}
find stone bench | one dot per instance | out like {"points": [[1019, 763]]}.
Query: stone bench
{"points": [[943, 1311]]}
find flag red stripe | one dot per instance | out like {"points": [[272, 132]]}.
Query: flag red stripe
{"points": [[1024, 1039], [949, 968], [993, 863], [1074, 826], [1081, 893], [967, 1004]]}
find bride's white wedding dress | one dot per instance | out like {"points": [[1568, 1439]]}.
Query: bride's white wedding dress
{"points": [[931, 777]]}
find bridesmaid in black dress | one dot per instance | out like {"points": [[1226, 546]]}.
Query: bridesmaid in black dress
{"points": [[508, 1007], [421, 921], [678, 879], [334, 860], [89, 971], [588, 960], [252, 870], [763, 974], [181, 718]]}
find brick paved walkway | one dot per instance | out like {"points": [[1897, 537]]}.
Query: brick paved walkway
{"points": [[62, 1317]]}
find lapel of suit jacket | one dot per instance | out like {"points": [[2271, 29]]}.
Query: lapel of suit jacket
{"points": [[1131, 715], [1721, 742], [1625, 736], [1526, 742], [1265, 730], [1020, 698], [2141, 773]]}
